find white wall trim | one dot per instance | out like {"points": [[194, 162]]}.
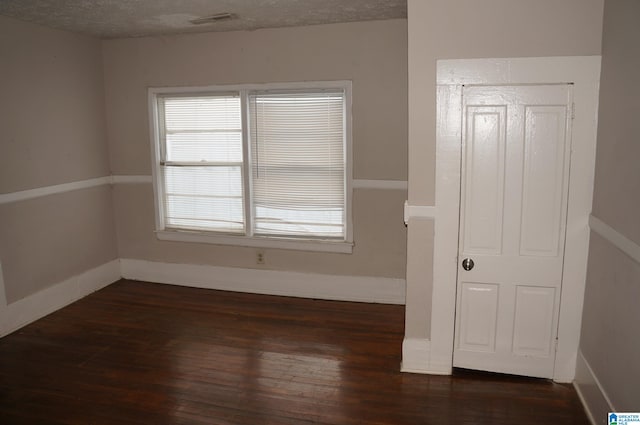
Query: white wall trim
{"points": [[415, 355], [584, 73], [418, 211], [269, 282], [131, 179], [594, 398], [416, 358], [22, 195], [616, 238], [381, 184], [40, 304]]}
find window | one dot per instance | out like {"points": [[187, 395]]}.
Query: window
{"points": [[256, 165]]}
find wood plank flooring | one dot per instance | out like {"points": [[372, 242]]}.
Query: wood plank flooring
{"points": [[142, 353]]}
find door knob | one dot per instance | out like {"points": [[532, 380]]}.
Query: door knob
{"points": [[467, 264]]}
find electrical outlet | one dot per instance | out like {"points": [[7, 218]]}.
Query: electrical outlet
{"points": [[259, 257]]}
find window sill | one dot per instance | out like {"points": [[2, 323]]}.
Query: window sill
{"points": [[258, 242]]}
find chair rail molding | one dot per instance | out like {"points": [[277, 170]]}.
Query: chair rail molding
{"points": [[616, 238], [23, 195], [418, 211]]}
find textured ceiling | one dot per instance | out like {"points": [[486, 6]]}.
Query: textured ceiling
{"points": [[132, 18]]}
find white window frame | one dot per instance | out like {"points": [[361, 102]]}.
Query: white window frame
{"points": [[295, 243]]}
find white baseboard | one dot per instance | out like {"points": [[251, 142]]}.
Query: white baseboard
{"points": [[415, 355], [269, 282], [3, 297], [442, 368], [29, 309], [593, 397], [418, 358]]}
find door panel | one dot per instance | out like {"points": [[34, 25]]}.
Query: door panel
{"points": [[543, 186], [485, 191], [515, 168], [480, 305], [531, 335]]}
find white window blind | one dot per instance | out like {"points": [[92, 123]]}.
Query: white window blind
{"points": [[298, 163], [202, 162]]}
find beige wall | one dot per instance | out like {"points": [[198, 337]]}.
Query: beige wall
{"points": [[46, 240], [463, 29], [609, 340], [51, 107], [379, 250], [53, 131], [617, 184], [371, 54]]}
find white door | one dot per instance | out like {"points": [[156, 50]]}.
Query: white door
{"points": [[515, 177]]}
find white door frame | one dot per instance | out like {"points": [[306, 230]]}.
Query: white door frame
{"points": [[584, 73]]}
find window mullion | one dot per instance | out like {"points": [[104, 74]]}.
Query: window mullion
{"points": [[246, 165]]}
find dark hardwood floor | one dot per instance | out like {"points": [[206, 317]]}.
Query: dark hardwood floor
{"points": [[141, 353]]}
